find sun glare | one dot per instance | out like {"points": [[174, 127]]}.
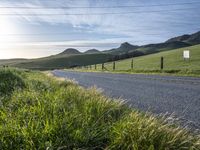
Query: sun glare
{"points": [[7, 30]]}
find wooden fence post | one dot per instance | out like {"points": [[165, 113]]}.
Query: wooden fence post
{"points": [[132, 64], [95, 67], [161, 63], [102, 66], [113, 65]]}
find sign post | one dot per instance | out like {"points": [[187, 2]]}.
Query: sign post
{"points": [[186, 54]]}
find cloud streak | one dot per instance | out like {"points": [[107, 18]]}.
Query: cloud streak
{"points": [[100, 31]]}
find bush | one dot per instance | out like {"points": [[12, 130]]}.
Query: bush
{"points": [[9, 81]]}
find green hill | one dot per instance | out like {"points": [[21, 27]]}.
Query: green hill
{"points": [[122, 49], [70, 51], [191, 39], [92, 51], [72, 57], [66, 59], [63, 61], [173, 60], [154, 48], [173, 43], [11, 61]]}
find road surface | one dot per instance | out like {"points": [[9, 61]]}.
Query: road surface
{"points": [[154, 93]]}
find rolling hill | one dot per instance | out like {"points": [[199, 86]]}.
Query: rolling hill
{"points": [[66, 59], [190, 39], [154, 48], [173, 60], [70, 51], [72, 57], [61, 62], [92, 51], [122, 49], [173, 43], [11, 61]]}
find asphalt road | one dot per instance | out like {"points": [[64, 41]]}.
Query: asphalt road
{"points": [[154, 93]]}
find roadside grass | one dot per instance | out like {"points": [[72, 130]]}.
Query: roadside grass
{"points": [[173, 63], [46, 113], [189, 73]]}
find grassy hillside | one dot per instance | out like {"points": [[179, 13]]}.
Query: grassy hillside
{"points": [[40, 112], [72, 57], [60, 61], [11, 61], [191, 39], [92, 51], [173, 60], [160, 47], [122, 49]]}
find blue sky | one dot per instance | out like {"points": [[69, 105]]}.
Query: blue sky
{"points": [[43, 35]]}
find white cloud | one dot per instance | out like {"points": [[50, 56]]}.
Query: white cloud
{"points": [[124, 25], [95, 31], [42, 49]]}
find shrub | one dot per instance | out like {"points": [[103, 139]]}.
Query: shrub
{"points": [[9, 81]]}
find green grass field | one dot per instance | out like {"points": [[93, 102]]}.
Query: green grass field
{"points": [[173, 62], [57, 61], [11, 62], [41, 112]]}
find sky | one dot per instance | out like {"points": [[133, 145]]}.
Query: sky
{"points": [[38, 28]]}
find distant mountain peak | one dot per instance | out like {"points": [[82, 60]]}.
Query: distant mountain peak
{"points": [[179, 38], [70, 51], [187, 38], [92, 51], [127, 46], [122, 49]]}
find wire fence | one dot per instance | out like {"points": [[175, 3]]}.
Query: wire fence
{"points": [[161, 63]]}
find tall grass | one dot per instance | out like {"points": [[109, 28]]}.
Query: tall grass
{"points": [[10, 80], [46, 113]]}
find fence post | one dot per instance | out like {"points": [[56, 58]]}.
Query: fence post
{"points": [[161, 63], [95, 67], [132, 64], [102, 66], [113, 65], [90, 67]]}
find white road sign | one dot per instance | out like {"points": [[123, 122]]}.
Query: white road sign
{"points": [[186, 54]]}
